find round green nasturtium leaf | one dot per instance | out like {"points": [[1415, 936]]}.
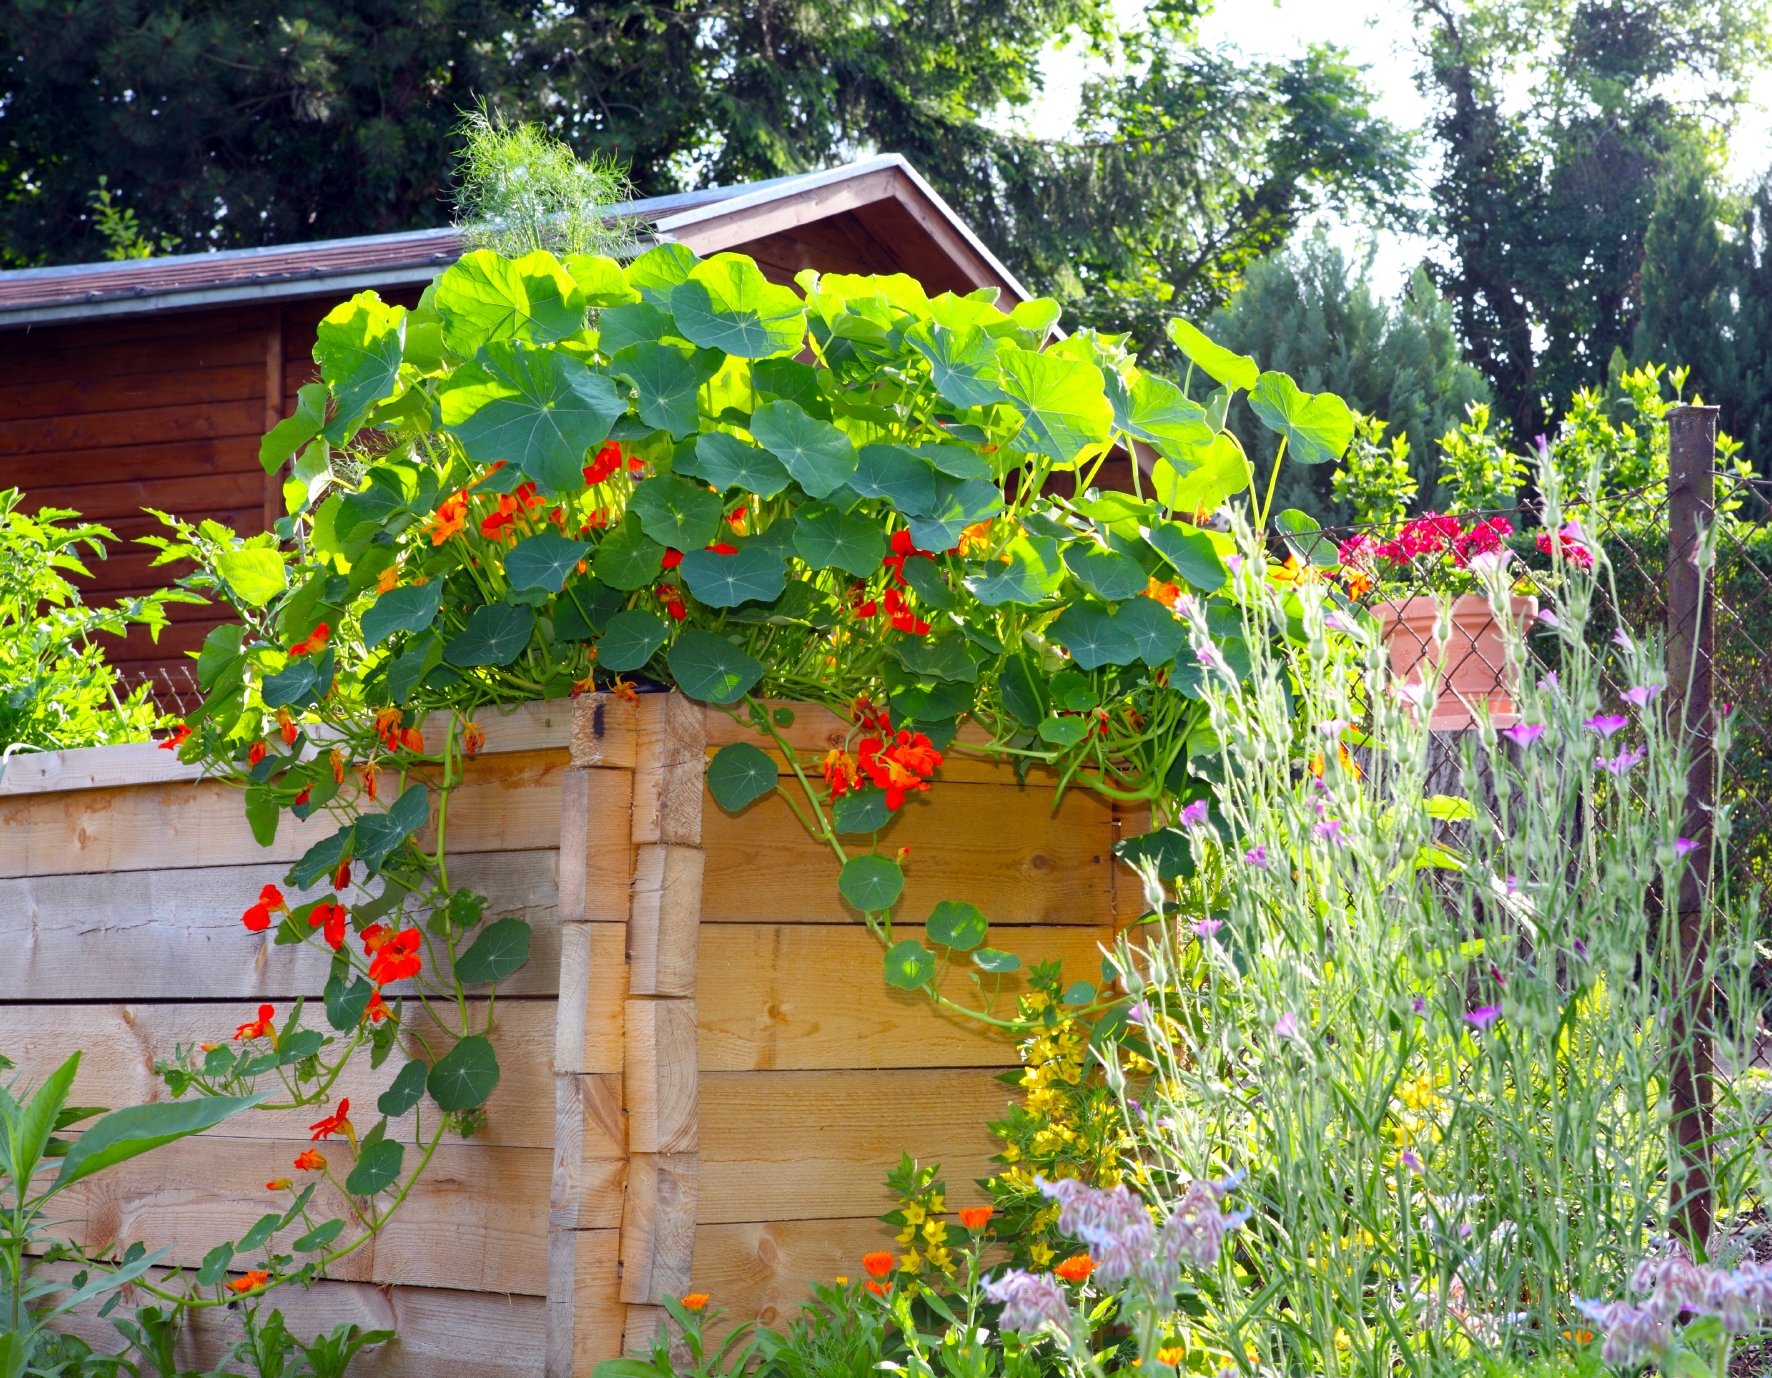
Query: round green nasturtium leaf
{"points": [[358, 346], [1081, 993], [632, 638], [909, 965], [1191, 552], [896, 474], [1032, 573], [501, 949], [378, 1168], [1318, 426], [739, 775], [345, 1003], [1093, 638], [411, 608], [1063, 400], [543, 561], [1167, 851], [666, 380], [711, 668], [256, 575], [728, 462], [819, 456], [485, 297], [997, 963], [1022, 691], [1238, 370], [957, 925], [677, 513], [656, 273], [826, 538], [753, 575], [293, 684], [1158, 632], [318, 1238], [726, 303], [1065, 732], [1107, 574], [495, 635], [465, 1076], [539, 408], [871, 883], [408, 1089], [628, 558], [864, 811]]}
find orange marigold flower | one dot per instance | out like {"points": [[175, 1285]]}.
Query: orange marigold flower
{"points": [[386, 580], [314, 641], [975, 1217], [695, 1301], [311, 1160], [249, 1282], [340, 763], [336, 1123], [1171, 1355], [1165, 593], [396, 958], [874, 1287], [449, 518], [330, 919], [278, 1184], [1076, 1268], [177, 739], [473, 737], [258, 918], [256, 753], [879, 1263], [260, 1027]]}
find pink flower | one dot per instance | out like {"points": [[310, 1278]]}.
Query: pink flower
{"points": [[1549, 681], [1523, 733], [1485, 538], [1205, 928], [1621, 639], [1286, 1026], [1411, 1162], [1684, 846], [1549, 618], [1194, 815], [1640, 695], [1606, 723], [1329, 830], [1622, 762], [1256, 856], [1483, 1016]]}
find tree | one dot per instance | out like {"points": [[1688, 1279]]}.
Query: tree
{"points": [[1545, 203], [1310, 313]]}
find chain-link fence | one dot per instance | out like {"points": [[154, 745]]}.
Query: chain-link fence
{"points": [[173, 688]]}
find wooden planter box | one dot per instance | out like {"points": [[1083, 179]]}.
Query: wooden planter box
{"points": [[705, 1076]]}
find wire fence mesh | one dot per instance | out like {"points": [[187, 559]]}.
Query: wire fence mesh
{"points": [[173, 688]]}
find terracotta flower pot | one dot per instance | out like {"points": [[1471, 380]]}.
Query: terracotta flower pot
{"points": [[1473, 661]]}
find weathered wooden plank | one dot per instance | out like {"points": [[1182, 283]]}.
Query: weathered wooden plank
{"points": [[196, 341], [88, 392], [761, 1271], [121, 1043], [152, 462], [605, 731], [670, 762], [658, 1226], [440, 1333], [818, 1145], [658, 1075], [176, 934], [594, 978], [589, 1128], [242, 416], [664, 924], [508, 802], [1006, 850], [814, 996], [476, 1220]]}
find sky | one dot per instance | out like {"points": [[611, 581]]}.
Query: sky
{"points": [[1377, 34]]}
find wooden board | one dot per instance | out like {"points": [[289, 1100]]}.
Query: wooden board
{"points": [[181, 387], [814, 996], [1029, 864], [762, 1271], [818, 1145]]}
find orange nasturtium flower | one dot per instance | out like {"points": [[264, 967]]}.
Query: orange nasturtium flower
{"points": [[473, 737], [311, 1160], [376, 1010], [177, 739], [338, 1122], [396, 956], [449, 519], [256, 753], [1076, 1268], [879, 1263], [975, 1217], [1165, 593], [695, 1301], [278, 1184], [257, 918], [314, 641], [329, 917], [341, 878], [387, 579], [286, 725], [340, 764], [260, 1027], [249, 1282], [976, 539]]}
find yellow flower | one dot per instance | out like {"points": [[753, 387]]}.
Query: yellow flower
{"points": [[911, 1263], [913, 1214], [935, 1231], [1040, 1253]]}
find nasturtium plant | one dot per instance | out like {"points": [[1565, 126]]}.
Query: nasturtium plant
{"points": [[553, 477]]}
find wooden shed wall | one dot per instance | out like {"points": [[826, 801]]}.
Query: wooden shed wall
{"points": [[730, 1076]]}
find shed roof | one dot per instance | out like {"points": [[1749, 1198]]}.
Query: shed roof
{"points": [[708, 221]]}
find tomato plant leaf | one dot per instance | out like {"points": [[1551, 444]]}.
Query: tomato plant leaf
{"points": [[739, 775]]}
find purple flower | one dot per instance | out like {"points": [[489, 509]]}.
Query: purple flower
{"points": [[1418, 1005], [1256, 856], [1621, 639], [1549, 681], [1136, 1014], [1329, 830], [1619, 764], [1581, 949], [1632, 1333], [1543, 446], [1194, 815], [1483, 1016], [1411, 1162], [1234, 563], [1333, 727], [1334, 622], [1523, 733], [1549, 618], [1207, 927], [1029, 1301], [1286, 1026], [1121, 1235], [1639, 695], [1210, 656], [1606, 723], [1684, 846]]}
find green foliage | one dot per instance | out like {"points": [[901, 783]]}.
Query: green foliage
{"points": [[521, 190], [1375, 485], [56, 691], [1479, 470]]}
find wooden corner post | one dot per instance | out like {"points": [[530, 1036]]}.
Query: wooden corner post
{"points": [[1691, 509], [667, 748]]}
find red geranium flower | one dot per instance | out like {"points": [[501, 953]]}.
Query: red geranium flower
{"points": [[1482, 539]]}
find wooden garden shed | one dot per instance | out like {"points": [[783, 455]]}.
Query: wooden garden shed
{"points": [[706, 1076], [148, 383]]}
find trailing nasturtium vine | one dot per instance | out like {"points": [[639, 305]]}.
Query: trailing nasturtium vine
{"points": [[552, 476]]}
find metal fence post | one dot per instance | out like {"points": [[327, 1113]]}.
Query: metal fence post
{"points": [[1691, 483]]}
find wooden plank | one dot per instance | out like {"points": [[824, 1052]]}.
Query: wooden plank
{"points": [[140, 426], [176, 934], [273, 397], [590, 1131], [150, 462], [818, 1145], [49, 354], [440, 1333], [762, 1271], [88, 392], [604, 732], [1006, 850], [477, 1219], [508, 802], [659, 1075], [670, 755], [665, 920], [597, 1311], [658, 1226], [812, 996], [121, 1043]]}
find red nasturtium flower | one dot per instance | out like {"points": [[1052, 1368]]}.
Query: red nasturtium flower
{"points": [[840, 773], [396, 957], [369, 777], [342, 877], [256, 753], [899, 766], [336, 1123], [695, 1301], [879, 1264], [330, 918], [903, 547], [311, 1160], [975, 1217], [376, 1011], [262, 1027], [249, 1281], [901, 617], [450, 518], [473, 737], [608, 460], [302, 798], [672, 558], [1076, 1268], [270, 901], [177, 739], [869, 718], [314, 641], [722, 548]]}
